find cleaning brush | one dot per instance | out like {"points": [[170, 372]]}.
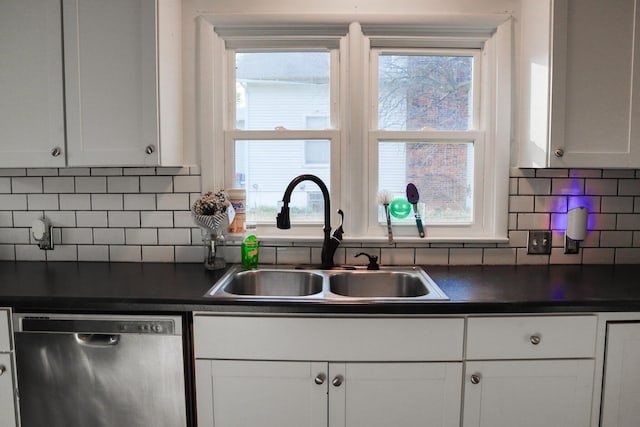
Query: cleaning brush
{"points": [[384, 198]]}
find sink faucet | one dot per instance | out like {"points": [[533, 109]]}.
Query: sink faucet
{"points": [[331, 241]]}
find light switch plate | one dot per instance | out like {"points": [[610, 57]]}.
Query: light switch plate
{"points": [[539, 242]]}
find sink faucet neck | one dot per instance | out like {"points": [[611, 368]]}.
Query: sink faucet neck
{"points": [[329, 243]]}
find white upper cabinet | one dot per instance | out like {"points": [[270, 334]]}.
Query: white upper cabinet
{"points": [[119, 65], [31, 88], [579, 106], [115, 67]]}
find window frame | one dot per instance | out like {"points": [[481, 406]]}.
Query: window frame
{"points": [[353, 162]]}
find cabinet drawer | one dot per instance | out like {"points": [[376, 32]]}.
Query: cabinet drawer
{"points": [[328, 339], [5, 330], [531, 337]]}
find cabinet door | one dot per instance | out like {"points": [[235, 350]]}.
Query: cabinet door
{"points": [[598, 86], [549, 393], [395, 394], [7, 400], [31, 85], [266, 394], [111, 82], [621, 392]]}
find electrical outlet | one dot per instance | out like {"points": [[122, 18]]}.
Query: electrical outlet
{"points": [[539, 242]]}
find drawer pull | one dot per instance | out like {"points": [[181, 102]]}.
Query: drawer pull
{"points": [[535, 339], [320, 379], [3, 369], [475, 379], [337, 381]]}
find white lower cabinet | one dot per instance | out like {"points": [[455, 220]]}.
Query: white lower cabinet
{"points": [[314, 394], [621, 385], [529, 371], [355, 372], [8, 402], [531, 393]]}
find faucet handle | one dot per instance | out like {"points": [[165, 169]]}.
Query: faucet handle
{"points": [[373, 261], [337, 234]]}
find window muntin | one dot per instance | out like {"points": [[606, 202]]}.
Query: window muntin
{"points": [[425, 90]]}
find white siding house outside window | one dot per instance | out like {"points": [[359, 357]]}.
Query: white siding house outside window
{"points": [[367, 108]]}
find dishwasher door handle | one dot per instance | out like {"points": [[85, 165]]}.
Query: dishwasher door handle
{"points": [[97, 340]]}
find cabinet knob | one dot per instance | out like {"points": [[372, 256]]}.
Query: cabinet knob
{"points": [[56, 151], [3, 369], [535, 339], [558, 152], [337, 381], [320, 379], [475, 379], [150, 149]]}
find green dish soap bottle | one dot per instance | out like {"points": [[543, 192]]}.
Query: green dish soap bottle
{"points": [[250, 248]]}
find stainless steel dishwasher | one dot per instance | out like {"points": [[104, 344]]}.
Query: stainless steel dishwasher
{"points": [[99, 371]]}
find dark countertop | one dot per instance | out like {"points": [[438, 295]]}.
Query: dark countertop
{"points": [[136, 287]]}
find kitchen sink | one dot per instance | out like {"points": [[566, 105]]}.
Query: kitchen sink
{"points": [[274, 283], [390, 284], [286, 283]]}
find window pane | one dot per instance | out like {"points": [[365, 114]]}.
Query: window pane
{"points": [[284, 89], [425, 92], [442, 172], [264, 168]]}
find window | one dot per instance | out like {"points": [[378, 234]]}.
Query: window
{"points": [[367, 108]]}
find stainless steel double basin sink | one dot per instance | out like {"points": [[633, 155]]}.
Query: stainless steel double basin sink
{"points": [[389, 284]]}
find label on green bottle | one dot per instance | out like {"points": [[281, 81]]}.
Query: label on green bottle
{"points": [[249, 251]]}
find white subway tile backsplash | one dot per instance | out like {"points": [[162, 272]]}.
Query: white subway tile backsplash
{"points": [[80, 236], [74, 172], [156, 184], [106, 171], [142, 214], [6, 219], [141, 236], [173, 202], [7, 253], [91, 219], [157, 219], [194, 254], [26, 185], [75, 202], [601, 187], [174, 236], [96, 253], [65, 184], [13, 202], [121, 253], [63, 253], [25, 218], [432, 256], [139, 202], [42, 172], [158, 254], [91, 184], [14, 235], [61, 218], [29, 253], [5, 185], [106, 202], [123, 184], [13, 172], [616, 239], [124, 219], [186, 184], [42, 202], [108, 236]]}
